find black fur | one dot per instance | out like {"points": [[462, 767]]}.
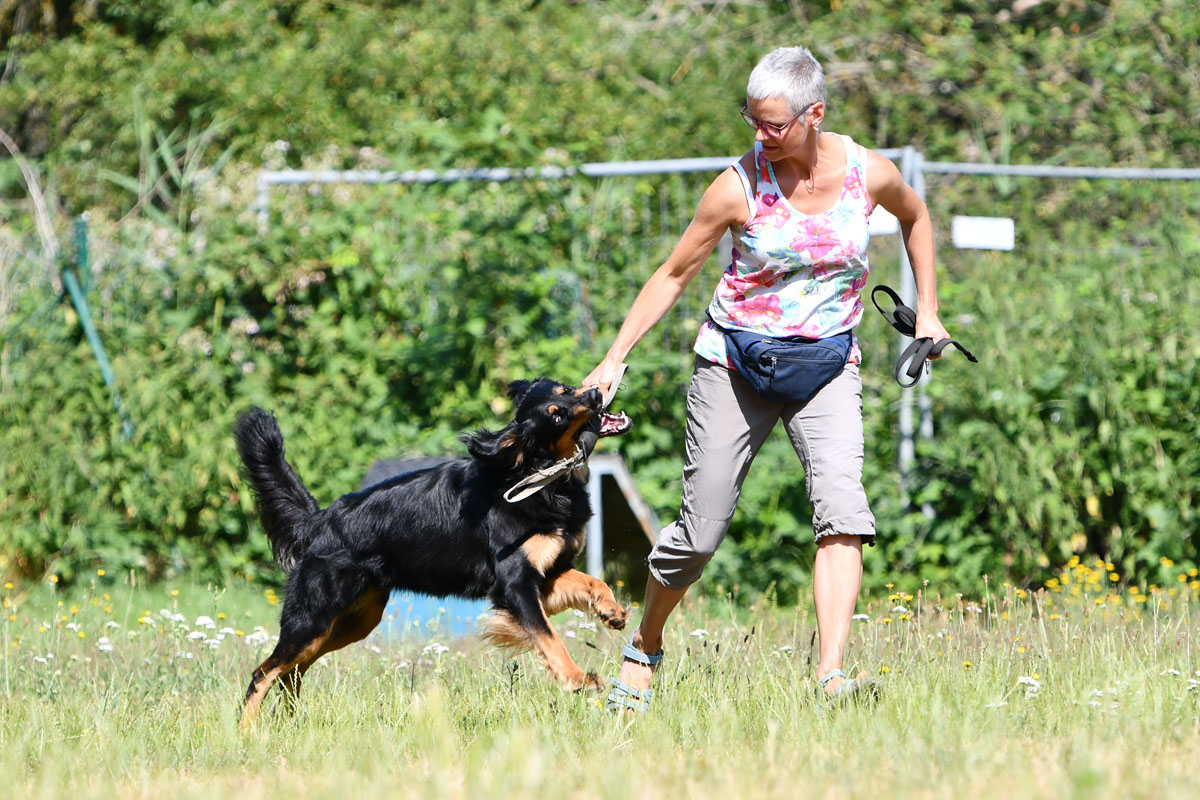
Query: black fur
{"points": [[445, 530]]}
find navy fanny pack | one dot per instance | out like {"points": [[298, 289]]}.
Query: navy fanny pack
{"points": [[788, 370]]}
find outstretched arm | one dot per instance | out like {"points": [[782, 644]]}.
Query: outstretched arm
{"points": [[723, 204]]}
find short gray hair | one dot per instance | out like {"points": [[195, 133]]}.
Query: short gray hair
{"points": [[789, 72]]}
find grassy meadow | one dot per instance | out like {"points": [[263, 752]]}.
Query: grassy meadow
{"points": [[1086, 688]]}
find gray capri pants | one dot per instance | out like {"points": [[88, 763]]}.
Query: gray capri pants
{"points": [[727, 423]]}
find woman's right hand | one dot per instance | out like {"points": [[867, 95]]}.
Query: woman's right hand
{"points": [[602, 376]]}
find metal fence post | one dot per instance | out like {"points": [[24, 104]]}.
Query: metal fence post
{"points": [[908, 293]]}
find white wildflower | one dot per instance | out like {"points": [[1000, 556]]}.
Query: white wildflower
{"points": [[104, 645], [862, 617], [112, 624], [899, 610], [569, 634], [194, 635], [587, 626], [1170, 672], [699, 633], [205, 622]]}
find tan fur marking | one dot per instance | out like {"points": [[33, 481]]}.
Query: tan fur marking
{"points": [[543, 549], [572, 589], [502, 630], [565, 446], [552, 410], [560, 390]]}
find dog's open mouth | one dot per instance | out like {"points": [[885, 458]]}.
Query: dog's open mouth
{"points": [[614, 424]]}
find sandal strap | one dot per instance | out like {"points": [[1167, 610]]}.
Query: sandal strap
{"points": [[833, 673], [633, 654], [625, 696], [626, 690]]}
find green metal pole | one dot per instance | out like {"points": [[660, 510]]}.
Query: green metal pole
{"points": [[79, 299]]}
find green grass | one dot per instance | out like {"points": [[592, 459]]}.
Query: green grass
{"points": [[1116, 711]]}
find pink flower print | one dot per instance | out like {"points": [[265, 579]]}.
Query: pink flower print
{"points": [[854, 184], [755, 312], [771, 214], [817, 239], [809, 329]]}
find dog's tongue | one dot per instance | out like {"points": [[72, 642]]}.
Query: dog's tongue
{"points": [[614, 424]]}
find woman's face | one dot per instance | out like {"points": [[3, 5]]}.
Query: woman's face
{"points": [[796, 129]]}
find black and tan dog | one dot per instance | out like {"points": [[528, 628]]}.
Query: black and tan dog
{"points": [[504, 524]]}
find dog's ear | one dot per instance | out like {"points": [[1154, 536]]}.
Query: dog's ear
{"points": [[506, 448], [517, 391]]}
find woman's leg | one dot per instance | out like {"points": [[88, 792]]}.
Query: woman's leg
{"points": [[827, 435], [726, 425], [837, 575]]}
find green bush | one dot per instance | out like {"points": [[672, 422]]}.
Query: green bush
{"points": [[380, 322]]}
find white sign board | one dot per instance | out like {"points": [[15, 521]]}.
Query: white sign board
{"points": [[882, 223], [983, 233]]}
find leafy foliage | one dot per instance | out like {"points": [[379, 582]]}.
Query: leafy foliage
{"points": [[383, 321]]}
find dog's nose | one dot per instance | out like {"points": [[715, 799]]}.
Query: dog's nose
{"points": [[592, 396]]}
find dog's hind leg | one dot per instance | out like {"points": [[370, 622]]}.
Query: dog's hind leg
{"points": [[296, 652], [575, 589]]}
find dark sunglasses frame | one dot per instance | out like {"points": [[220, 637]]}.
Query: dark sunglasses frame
{"points": [[769, 128]]}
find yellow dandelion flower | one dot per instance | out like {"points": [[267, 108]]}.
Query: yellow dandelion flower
{"points": [[885, 670], [8, 584], [100, 572], [1181, 578], [890, 585], [1055, 616], [1021, 651], [967, 665], [53, 579], [220, 615], [41, 628], [12, 617], [239, 633], [887, 620], [174, 593], [1036, 677], [82, 635], [906, 597], [1192, 573], [1166, 562], [620, 583], [1114, 577]]}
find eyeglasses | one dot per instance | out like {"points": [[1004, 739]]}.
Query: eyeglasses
{"points": [[770, 129]]}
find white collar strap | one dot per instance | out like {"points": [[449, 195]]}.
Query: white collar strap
{"points": [[545, 476]]}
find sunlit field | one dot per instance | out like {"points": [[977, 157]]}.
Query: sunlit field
{"points": [[1088, 687]]}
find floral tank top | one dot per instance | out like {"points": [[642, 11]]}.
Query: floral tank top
{"points": [[793, 274]]}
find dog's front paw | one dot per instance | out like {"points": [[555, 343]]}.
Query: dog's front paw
{"points": [[591, 683], [613, 615]]}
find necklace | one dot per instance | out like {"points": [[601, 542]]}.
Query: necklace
{"points": [[811, 183]]}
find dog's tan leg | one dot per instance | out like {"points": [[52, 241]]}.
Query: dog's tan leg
{"points": [[352, 625], [503, 628], [578, 590], [560, 664]]}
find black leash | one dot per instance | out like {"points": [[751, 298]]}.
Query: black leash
{"points": [[917, 354]]}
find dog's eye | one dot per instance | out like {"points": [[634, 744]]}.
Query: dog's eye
{"points": [[558, 419]]}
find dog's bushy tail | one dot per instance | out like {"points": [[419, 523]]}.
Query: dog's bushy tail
{"points": [[283, 502]]}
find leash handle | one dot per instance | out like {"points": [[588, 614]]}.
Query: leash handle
{"points": [[919, 351]]}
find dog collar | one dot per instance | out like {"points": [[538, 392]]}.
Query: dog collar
{"points": [[545, 476]]}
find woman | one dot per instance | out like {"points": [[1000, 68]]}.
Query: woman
{"points": [[797, 208]]}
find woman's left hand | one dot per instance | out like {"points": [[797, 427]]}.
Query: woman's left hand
{"points": [[928, 325]]}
